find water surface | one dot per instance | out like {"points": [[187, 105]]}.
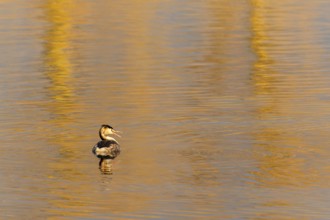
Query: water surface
{"points": [[224, 108]]}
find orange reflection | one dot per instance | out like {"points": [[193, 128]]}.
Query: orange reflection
{"points": [[263, 74], [58, 53], [278, 162], [62, 104], [59, 69]]}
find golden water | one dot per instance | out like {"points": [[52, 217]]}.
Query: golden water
{"points": [[224, 108]]}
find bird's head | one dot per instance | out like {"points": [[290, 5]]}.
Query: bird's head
{"points": [[105, 132]]}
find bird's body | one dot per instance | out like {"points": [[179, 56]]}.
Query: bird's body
{"points": [[108, 148]]}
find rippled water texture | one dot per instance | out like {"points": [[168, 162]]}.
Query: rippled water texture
{"points": [[224, 108]]}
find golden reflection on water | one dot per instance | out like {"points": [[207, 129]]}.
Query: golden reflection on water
{"points": [[58, 53], [281, 153], [280, 160], [57, 56], [263, 75], [62, 104]]}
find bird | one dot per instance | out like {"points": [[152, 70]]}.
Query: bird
{"points": [[108, 148]]}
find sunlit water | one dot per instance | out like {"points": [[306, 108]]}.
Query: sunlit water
{"points": [[224, 108]]}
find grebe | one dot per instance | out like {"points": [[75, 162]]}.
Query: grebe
{"points": [[108, 147]]}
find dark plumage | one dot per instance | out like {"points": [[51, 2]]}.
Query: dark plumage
{"points": [[106, 149]]}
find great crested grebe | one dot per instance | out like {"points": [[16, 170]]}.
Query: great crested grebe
{"points": [[108, 147]]}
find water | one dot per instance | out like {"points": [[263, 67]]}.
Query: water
{"points": [[224, 108]]}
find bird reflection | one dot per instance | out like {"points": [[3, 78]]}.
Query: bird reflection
{"points": [[107, 149], [106, 166]]}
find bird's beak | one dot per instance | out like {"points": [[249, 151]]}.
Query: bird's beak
{"points": [[116, 132]]}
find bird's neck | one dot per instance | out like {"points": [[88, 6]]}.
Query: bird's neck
{"points": [[108, 138]]}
